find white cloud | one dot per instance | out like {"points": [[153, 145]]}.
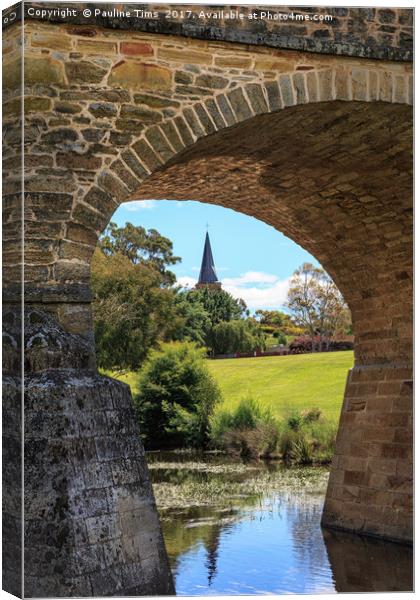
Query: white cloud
{"points": [[136, 205], [186, 281], [258, 289], [251, 277], [273, 296]]}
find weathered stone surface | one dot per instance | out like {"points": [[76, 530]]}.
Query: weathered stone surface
{"points": [[67, 108], [256, 98], [84, 72], [286, 90], [57, 136], [96, 47], [38, 70], [146, 155], [76, 161], [140, 76], [299, 84], [103, 109], [274, 97], [184, 131], [155, 101], [136, 49], [86, 505], [145, 115], [214, 82], [351, 32], [239, 104], [179, 56]]}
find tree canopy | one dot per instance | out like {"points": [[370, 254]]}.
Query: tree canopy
{"points": [[316, 303]]}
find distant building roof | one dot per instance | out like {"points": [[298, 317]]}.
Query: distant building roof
{"points": [[208, 273]]}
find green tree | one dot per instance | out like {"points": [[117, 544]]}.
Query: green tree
{"points": [[229, 337], [194, 319], [219, 304], [133, 309], [140, 246], [276, 321], [177, 396], [317, 304]]}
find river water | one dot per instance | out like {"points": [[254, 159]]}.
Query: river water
{"points": [[234, 528]]}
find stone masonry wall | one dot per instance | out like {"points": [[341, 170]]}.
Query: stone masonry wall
{"points": [[317, 145], [381, 33]]}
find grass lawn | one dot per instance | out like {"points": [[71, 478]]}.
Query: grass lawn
{"points": [[285, 383]]}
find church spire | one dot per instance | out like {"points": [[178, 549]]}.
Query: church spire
{"points": [[208, 276]]}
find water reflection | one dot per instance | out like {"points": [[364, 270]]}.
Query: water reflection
{"points": [[367, 565], [273, 543]]}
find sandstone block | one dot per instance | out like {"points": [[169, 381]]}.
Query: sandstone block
{"points": [[213, 82], [53, 41], [136, 49], [204, 118], [146, 155], [225, 109], [286, 90], [113, 186], [43, 70], [155, 101], [172, 136], [96, 47], [325, 85], [145, 115], [192, 120], [67, 108], [300, 88], [140, 76], [159, 144], [84, 72], [183, 130], [239, 105], [214, 113], [185, 57], [130, 181], [359, 81], [103, 109], [273, 94], [131, 161], [233, 62], [256, 98], [76, 161]]}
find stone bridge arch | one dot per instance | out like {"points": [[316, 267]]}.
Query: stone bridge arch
{"points": [[317, 145]]}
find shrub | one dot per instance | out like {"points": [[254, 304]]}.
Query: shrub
{"points": [[252, 443], [311, 414], [228, 337], [281, 338], [305, 343], [294, 421], [324, 438], [176, 398], [249, 430], [302, 451], [286, 443]]}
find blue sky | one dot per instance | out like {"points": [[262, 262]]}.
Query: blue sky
{"points": [[253, 260]]}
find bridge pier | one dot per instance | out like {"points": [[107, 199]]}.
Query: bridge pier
{"points": [[370, 489], [91, 526]]}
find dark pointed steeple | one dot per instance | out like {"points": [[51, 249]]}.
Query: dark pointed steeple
{"points": [[208, 276]]}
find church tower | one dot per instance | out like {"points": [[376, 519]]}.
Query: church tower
{"points": [[208, 276]]}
